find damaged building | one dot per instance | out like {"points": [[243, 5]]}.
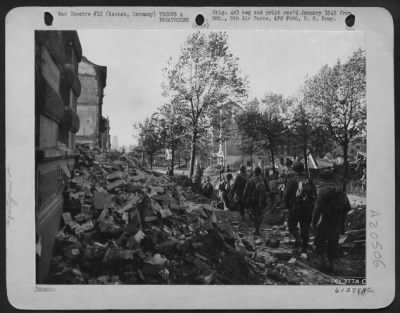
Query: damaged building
{"points": [[57, 87], [95, 129]]}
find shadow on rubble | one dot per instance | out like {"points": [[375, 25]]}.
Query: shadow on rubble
{"points": [[123, 224]]}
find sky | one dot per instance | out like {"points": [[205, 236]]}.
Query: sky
{"points": [[274, 61]]}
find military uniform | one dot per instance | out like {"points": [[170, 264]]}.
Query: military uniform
{"points": [[225, 192], [208, 189], [238, 191], [300, 208], [255, 202], [328, 219]]}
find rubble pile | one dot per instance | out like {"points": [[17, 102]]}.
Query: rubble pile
{"points": [[123, 224], [354, 236], [356, 217], [271, 255]]}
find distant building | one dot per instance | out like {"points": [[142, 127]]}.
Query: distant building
{"points": [[94, 127], [57, 87], [114, 143], [168, 154], [288, 149], [356, 146], [227, 144]]}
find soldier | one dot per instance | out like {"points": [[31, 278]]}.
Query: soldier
{"points": [[328, 220], [299, 196], [363, 180], [225, 191], [238, 189], [255, 194], [273, 185], [208, 188], [281, 181]]}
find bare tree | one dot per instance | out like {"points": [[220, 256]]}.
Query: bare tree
{"points": [[271, 123], [303, 123], [172, 130], [149, 137], [341, 93], [205, 76]]}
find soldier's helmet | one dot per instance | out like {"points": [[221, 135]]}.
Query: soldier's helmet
{"points": [[298, 167], [257, 170]]}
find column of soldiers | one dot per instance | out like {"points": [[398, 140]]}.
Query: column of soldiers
{"points": [[324, 212]]}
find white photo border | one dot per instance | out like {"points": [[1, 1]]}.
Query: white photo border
{"points": [[22, 291]]}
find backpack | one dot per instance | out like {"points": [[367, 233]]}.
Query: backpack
{"points": [[259, 192], [305, 191], [222, 186], [240, 183]]}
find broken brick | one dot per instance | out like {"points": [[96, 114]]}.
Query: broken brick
{"points": [[101, 200], [114, 185]]}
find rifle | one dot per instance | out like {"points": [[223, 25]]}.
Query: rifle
{"points": [[308, 172]]}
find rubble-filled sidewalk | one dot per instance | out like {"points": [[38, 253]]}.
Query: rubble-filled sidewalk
{"points": [[124, 224]]}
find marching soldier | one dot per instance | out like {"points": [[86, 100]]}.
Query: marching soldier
{"points": [[255, 195], [238, 189], [328, 220], [208, 188], [299, 196]]}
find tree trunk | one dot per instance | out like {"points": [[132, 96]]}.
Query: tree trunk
{"points": [[193, 154], [271, 149], [305, 160], [346, 165], [178, 151], [172, 159], [151, 161]]}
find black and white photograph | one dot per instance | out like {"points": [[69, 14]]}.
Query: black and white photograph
{"points": [[218, 158], [199, 158]]}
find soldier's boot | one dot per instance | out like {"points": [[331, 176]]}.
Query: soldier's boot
{"points": [[304, 249], [257, 224], [304, 239], [331, 267], [297, 242]]}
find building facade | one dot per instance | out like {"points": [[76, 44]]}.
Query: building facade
{"points": [[57, 87], [356, 146], [114, 143], [227, 144], [94, 129]]}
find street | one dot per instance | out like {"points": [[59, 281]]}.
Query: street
{"points": [[142, 227]]}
